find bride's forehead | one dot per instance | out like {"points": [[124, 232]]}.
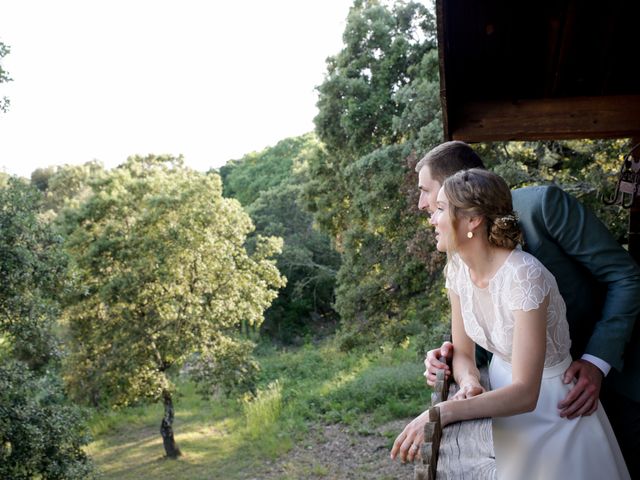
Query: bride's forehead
{"points": [[442, 197]]}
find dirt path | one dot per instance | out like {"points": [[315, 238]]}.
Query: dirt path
{"points": [[340, 452]]}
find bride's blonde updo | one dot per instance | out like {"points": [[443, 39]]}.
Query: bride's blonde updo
{"points": [[481, 193]]}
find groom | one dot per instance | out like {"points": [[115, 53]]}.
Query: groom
{"points": [[598, 280]]}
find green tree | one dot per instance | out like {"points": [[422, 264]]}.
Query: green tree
{"points": [[377, 106], [160, 274], [308, 261], [269, 185], [66, 185], [245, 178], [40, 177], [357, 103], [41, 434], [4, 76], [32, 265]]}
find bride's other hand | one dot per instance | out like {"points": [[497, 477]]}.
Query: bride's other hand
{"points": [[468, 390], [407, 444]]}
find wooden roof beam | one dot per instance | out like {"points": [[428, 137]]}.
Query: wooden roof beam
{"points": [[546, 119]]}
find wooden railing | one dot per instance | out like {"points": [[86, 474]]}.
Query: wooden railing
{"points": [[462, 450]]}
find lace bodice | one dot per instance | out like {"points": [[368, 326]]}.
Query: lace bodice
{"points": [[521, 283]]}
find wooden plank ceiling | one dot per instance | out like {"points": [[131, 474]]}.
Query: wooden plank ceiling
{"points": [[535, 70]]}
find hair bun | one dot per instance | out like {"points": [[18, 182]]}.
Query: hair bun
{"points": [[505, 231]]}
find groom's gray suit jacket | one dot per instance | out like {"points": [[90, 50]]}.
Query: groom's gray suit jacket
{"points": [[597, 278]]}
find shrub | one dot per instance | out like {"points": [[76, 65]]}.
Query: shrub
{"points": [[40, 435]]}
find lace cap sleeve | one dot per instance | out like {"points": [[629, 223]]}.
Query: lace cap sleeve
{"points": [[529, 284]]}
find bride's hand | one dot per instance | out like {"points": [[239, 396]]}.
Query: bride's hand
{"points": [[468, 390]]}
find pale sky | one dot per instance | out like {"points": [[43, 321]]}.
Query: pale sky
{"points": [[212, 80]]}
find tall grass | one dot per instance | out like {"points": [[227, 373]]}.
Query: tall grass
{"points": [[263, 411], [325, 384], [234, 437]]}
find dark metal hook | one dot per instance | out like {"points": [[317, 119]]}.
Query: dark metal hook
{"points": [[627, 186]]}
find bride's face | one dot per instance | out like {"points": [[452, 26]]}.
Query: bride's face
{"points": [[441, 220]]}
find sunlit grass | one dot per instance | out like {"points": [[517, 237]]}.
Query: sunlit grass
{"points": [[136, 452], [262, 411], [232, 439]]}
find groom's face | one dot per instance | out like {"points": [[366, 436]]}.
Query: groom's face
{"points": [[428, 190]]}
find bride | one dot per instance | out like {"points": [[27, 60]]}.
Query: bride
{"points": [[506, 301]]}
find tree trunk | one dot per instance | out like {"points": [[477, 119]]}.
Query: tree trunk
{"points": [[166, 428]]}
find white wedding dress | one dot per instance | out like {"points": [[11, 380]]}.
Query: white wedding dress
{"points": [[539, 444]]}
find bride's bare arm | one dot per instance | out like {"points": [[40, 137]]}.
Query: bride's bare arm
{"points": [[407, 443], [529, 344], [465, 371]]}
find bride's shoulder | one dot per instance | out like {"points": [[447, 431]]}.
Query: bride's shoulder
{"points": [[519, 257], [525, 266]]}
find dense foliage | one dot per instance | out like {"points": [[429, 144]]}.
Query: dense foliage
{"points": [[587, 169], [377, 106], [246, 178], [161, 273], [32, 265], [41, 434], [269, 185], [66, 185]]}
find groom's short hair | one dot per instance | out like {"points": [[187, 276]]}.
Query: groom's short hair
{"points": [[449, 158]]}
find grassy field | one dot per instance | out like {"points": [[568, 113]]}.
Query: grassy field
{"points": [[233, 438]]}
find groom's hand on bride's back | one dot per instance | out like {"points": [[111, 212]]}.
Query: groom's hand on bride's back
{"points": [[583, 397], [436, 359]]}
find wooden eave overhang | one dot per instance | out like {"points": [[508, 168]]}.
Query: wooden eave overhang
{"points": [[524, 70]]}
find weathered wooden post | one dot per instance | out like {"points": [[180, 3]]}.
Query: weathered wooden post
{"points": [[430, 448], [433, 430], [463, 449]]}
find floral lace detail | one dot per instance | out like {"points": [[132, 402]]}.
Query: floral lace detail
{"points": [[529, 286], [521, 283]]}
